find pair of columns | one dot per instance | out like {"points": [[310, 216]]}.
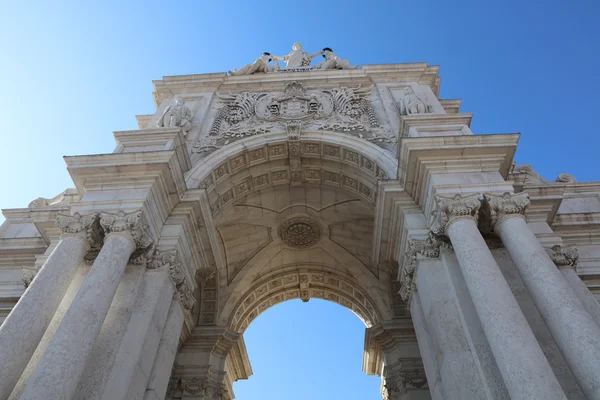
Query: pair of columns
{"points": [[60, 368], [524, 368]]}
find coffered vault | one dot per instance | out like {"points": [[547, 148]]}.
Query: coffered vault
{"points": [[357, 185]]}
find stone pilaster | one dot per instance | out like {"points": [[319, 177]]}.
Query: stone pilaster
{"points": [[575, 332], [513, 344], [24, 327]]}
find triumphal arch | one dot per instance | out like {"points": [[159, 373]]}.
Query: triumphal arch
{"points": [[303, 176]]}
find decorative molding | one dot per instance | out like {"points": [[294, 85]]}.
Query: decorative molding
{"points": [[447, 209], [204, 388], [564, 258], [300, 232], [428, 248]]}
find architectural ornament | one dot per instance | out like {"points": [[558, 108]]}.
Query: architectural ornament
{"points": [[412, 103], [27, 275], [429, 248], [566, 178], [176, 115], [447, 209], [200, 387], [300, 232], [169, 259], [342, 109], [407, 374], [132, 222], [564, 258], [500, 206]]}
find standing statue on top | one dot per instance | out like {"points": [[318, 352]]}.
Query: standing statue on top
{"points": [[297, 58], [176, 115], [411, 103], [260, 65], [333, 62]]}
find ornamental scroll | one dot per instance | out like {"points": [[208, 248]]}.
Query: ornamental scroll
{"points": [[342, 109]]}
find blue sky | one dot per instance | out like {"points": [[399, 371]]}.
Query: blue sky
{"points": [[73, 72]]}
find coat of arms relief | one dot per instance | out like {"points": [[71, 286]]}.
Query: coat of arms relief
{"points": [[341, 109]]}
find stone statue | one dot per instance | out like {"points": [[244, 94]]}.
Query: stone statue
{"points": [[176, 115], [297, 58], [260, 65], [413, 104], [334, 62]]}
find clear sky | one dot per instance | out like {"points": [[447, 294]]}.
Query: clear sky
{"points": [[73, 72]]}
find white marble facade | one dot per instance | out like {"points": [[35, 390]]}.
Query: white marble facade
{"points": [[475, 278]]}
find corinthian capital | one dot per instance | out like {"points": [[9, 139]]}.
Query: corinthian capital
{"points": [[132, 223], [169, 259], [81, 224], [564, 258], [428, 248], [75, 223], [507, 204], [446, 209]]}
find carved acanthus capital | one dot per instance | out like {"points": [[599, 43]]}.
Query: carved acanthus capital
{"points": [[169, 259], [564, 258], [203, 388], [405, 375], [27, 275], [506, 205], [132, 223], [81, 224], [429, 248], [447, 209]]}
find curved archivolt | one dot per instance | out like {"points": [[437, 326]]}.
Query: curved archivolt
{"points": [[304, 285]]}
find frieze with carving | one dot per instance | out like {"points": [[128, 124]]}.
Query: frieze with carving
{"points": [[343, 109]]}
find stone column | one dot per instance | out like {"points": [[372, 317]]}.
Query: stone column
{"points": [[573, 329], [566, 261], [61, 366], [522, 364], [22, 331]]}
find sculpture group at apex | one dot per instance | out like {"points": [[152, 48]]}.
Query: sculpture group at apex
{"points": [[296, 61]]}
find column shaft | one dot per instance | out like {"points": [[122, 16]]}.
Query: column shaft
{"points": [[165, 356], [25, 325], [591, 305], [574, 330], [526, 372], [60, 368]]}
